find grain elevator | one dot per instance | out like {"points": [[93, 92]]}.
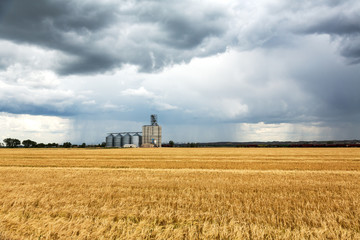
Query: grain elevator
{"points": [[149, 137], [152, 133]]}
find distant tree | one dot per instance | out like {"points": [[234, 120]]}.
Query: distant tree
{"points": [[171, 143], [40, 145], [52, 145], [103, 144], [11, 142], [192, 145], [67, 145], [16, 142], [83, 145], [29, 143], [7, 142]]}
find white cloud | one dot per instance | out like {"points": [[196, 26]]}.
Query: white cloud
{"points": [[164, 106], [37, 128], [231, 108], [16, 56], [27, 99], [155, 100], [140, 92], [89, 102]]}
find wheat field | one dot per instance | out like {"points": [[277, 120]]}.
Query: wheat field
{"points": [[175, 193]]}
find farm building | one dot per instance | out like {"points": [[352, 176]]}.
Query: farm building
{"points": [[149, 137], [152, 133]]}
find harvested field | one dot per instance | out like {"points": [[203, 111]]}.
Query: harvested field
{"points": [[192, 158], [180, 193]]}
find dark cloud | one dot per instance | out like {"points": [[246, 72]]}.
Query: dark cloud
{"points": [[87, 63], [338, 24], [34, 21], [98, 37], [184, 29], [344, 26], [334, 90], [279, 23], [141, 32], [55, 25], [36, 109], [338, 19], [185, 34], [350, 48]]}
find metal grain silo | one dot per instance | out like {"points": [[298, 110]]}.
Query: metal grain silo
{"points": [[117, 140], [126, 139], [136, 139], [110, 141]]}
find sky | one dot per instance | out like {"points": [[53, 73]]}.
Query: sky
{"points": [[229, 70]]}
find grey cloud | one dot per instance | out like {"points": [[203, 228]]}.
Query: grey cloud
{"points": [[339, 19], [49, 103], [50, 107], [97, 37], [338, 23], [344, 25], [188, 34], [33, 109], [24, 90], [87, 63], [54, 25], [183, 26], [303, 84], [280, 23], [334, 90], [350, 48], [31, 18]]}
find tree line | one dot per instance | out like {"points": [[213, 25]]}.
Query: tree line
{"points": [[14, 143]]}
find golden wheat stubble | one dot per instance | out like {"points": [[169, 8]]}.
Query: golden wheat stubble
{"points": [[99, 200]]}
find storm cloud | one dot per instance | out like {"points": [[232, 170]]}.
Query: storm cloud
{"points": [[100, 36], [196, 63]]}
